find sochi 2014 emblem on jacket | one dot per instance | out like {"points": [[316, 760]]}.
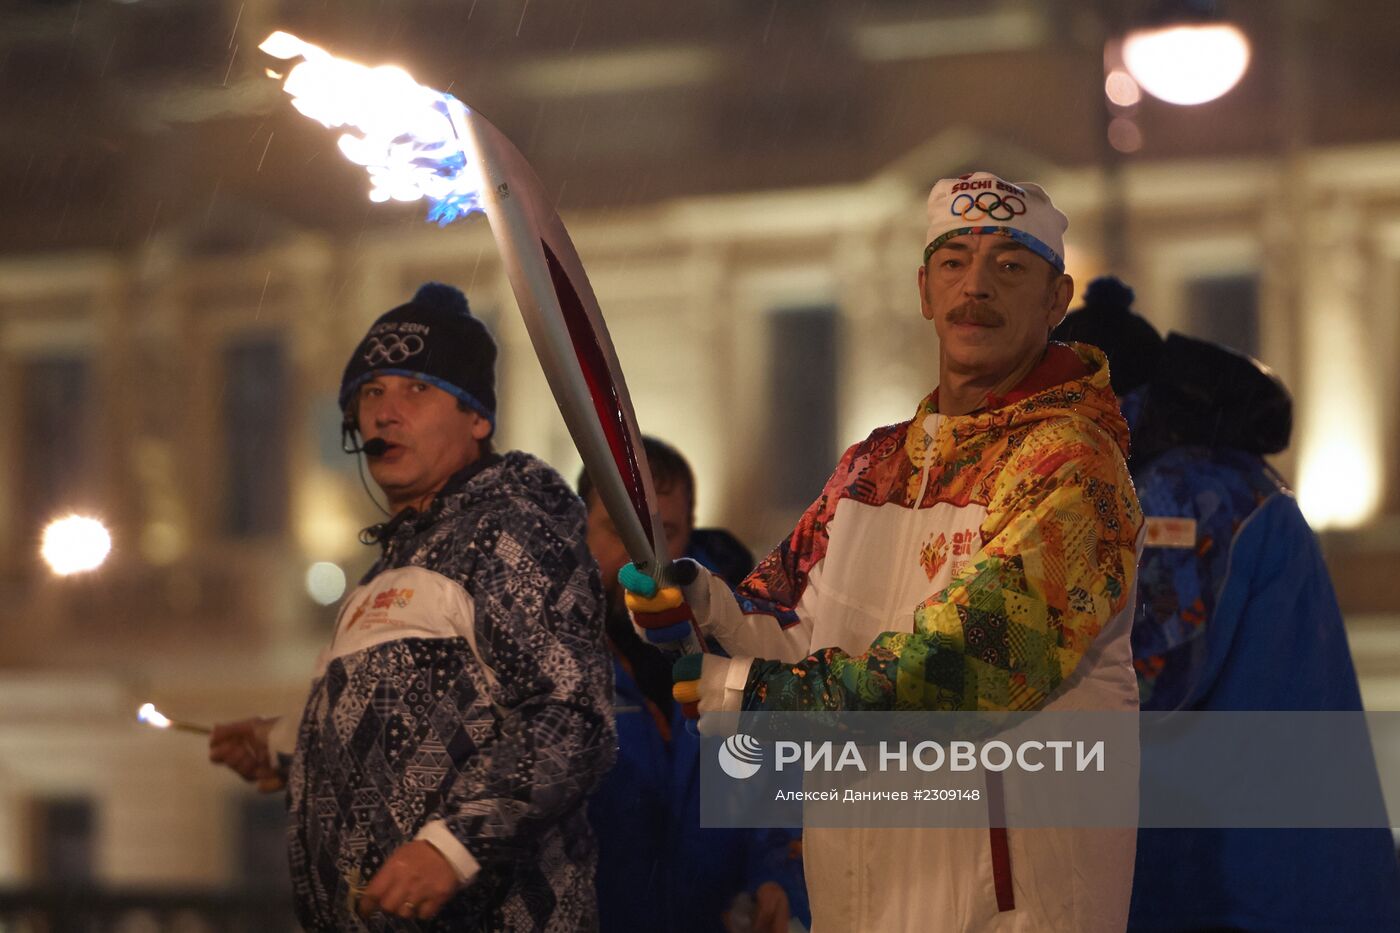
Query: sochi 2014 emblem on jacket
{"points": [[934, 555]]}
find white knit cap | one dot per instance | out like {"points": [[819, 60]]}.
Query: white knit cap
{"points": [[983, 203]]}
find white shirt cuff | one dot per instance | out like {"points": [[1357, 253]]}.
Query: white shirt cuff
{"points": [[722, 684], [437, 835]]}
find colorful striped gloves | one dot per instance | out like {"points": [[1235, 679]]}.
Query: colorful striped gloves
{"points": [[685, 686], [663, 618]]}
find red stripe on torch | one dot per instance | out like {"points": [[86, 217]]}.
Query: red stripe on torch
{"points": [[600, 386]]}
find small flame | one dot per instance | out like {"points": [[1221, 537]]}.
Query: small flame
{"points": [[407, 138], [152, 716]]}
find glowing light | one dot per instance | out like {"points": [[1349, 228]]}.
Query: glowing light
{"points": [[1339, 481], [285, 45], [1187, 64], [1337, 485], [75, 544], [407, 137], [1124, 135], [1340, 447], [325, 582], [152, 716], [323, 520], [1120, 88], [162, 543]]}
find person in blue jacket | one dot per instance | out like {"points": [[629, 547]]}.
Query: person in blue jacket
{"points": [[658, 869], [1235, 612]]}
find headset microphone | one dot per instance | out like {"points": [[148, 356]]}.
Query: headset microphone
{"points": [[374, 447]]}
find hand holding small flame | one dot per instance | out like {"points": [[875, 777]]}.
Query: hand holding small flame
{"points": [[242, 746]]}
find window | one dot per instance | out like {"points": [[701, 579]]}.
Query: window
{"points": [[64, 841], [802, 361], [255, 417], [56, 453], [1224, 309]]}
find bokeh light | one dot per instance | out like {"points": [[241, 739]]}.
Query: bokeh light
{"points": [[1124, 134], [325, 582], [1187, 64], [75, 544], [1120, 88]]}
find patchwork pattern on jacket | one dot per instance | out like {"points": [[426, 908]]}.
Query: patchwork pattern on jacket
{"points": [[490, 710], [1053, 561], [1209, 494]]}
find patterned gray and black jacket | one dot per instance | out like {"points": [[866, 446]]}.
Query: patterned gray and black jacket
{"points": [[465, 699]]}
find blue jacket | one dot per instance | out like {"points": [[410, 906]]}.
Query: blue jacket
{"points": [[630, 815], [1245, 618], [658, 870], [713, 865]]}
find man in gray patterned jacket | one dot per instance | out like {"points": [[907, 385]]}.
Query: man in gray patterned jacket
{"points": [[462, 711]]}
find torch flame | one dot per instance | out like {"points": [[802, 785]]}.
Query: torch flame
{"points": [[152, 716], [407, 137]]}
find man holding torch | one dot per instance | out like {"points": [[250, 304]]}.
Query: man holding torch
{"points": [[977, 557], [462, 711]]}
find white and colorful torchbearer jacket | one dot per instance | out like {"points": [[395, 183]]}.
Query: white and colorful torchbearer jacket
{"points": [[465, 699], [980, 562]]}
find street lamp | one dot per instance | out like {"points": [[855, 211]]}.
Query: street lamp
{"points": [[1186, 53]]}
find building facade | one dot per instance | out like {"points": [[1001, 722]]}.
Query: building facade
{"points": [[172, 369]]}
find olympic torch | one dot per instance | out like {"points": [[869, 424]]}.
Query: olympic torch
{"points": [[416, 142]]}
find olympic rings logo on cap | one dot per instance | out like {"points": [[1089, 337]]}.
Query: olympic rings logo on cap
{"points": [[987, 204], [392, 348]]}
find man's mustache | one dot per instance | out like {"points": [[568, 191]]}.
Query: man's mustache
{"points": [[976, 312]]}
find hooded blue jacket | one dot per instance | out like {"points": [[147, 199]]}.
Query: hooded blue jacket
{"points": [[1246, 619]]}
